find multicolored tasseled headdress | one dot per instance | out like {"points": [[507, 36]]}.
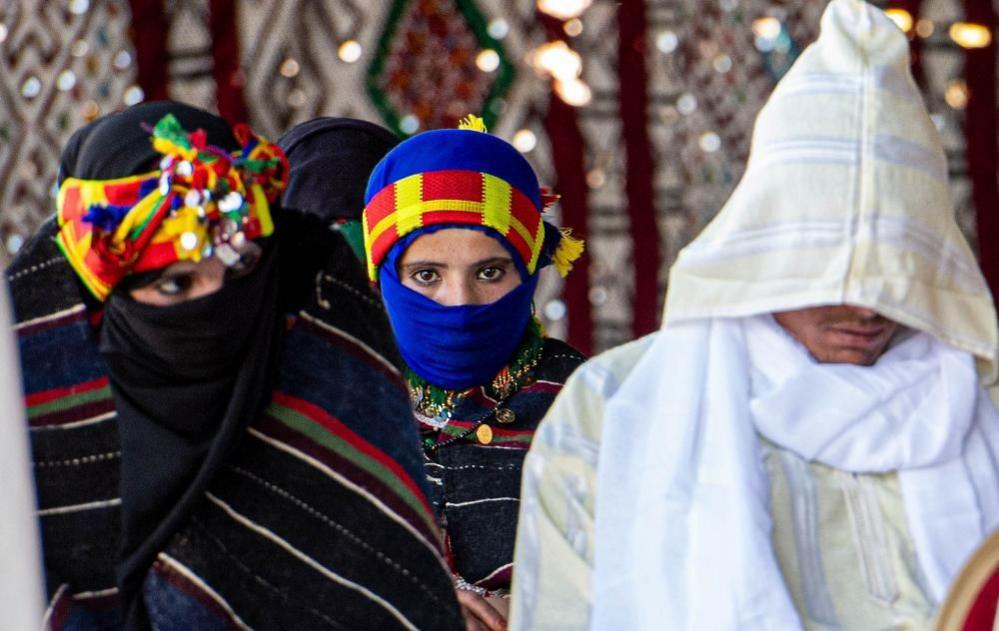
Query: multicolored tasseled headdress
{"points": [[461, 177], [202, 201]]}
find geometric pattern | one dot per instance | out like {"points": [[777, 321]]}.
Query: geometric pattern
{"points": [[291, 58], [706, 82], [61, 65], [426, 73]]}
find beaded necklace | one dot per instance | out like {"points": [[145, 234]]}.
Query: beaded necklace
{"points": [[436, 405]]}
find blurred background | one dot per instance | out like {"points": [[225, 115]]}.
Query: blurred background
{"points": [[639, 113]]}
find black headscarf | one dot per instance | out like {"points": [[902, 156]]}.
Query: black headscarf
{"points": [[186, 378], [71, 151], [328, 157]]}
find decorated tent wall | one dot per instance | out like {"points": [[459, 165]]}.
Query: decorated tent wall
{"points": [[639, 113]]}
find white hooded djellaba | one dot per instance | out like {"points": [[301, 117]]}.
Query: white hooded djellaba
{"points": [[714, 475]]}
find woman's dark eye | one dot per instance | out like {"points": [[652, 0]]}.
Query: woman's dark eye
{"points": [[490, 274], [175, 284], [425, 276]]}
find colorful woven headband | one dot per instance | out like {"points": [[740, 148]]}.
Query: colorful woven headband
{"points": [[459, 177], [203, 201]]}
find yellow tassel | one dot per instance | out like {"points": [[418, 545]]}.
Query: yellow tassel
{"points": [[473, 123], [170, 148], [569, 249]]}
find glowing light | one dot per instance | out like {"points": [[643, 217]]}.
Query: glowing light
{"points": [[525, 140], [767, 27], [564, 9], [79, 7], [957, 94], [31, 87], [558, 60], [687, 103], [709, 142], [573, 28], [133, 95], [667, 41], [79, 48], [970, 35], [409, 124], [722, 63], [574, 92], [289, 68], [91, 110], [350, 51], [596, 178], [488, 60], [498, 28], [901, 18], [14, 243], [3, 32], [925, 27], [555, 310], [66, 80], [122, 60]]}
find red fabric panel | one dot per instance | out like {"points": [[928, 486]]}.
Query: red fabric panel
{"points": [[983, 611], [123, 194], [381, 206], [451, 216], [568, 160], [982, 136], [225, 61], [640, 168], [383, 244], [524, 210], [520, 245], [149, 35], [465, 185]]}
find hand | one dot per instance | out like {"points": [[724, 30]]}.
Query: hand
{"points": [[479, 614]]}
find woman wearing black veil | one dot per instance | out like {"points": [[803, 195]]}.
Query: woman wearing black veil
{"points": [[220, 433]]}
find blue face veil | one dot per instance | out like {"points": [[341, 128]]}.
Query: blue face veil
{"points": [[455, 347]]}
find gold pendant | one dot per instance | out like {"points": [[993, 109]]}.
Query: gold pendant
{"points": [[505, 415], [484, 433]]}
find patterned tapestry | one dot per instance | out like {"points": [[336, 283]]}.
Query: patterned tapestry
{"points": [[419, 64], [61, 64]]}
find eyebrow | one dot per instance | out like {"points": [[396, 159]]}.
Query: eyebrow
{"points": [[492, 260]]}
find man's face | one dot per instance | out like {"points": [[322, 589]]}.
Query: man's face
{"points": [[841, 334]]}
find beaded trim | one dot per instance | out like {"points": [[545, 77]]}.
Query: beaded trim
{"points": [[435, 406]]}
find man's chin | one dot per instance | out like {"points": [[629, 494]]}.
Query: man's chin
{"points": [[855, 356]]}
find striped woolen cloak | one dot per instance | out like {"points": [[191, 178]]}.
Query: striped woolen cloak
{"points": [[475, 487], [319, 519]]}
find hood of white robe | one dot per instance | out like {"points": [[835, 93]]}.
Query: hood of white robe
{"points": [[845, 200]]}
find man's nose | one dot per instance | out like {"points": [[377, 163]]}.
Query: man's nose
{"points": [[863, 312]]}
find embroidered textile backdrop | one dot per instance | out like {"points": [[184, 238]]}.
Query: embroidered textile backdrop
{"points": [[698, 70]]}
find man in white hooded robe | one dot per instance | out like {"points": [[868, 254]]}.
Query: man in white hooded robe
{"points": [[808, 442]]}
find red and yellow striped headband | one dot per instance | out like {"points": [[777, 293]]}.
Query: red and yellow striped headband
{"points": [[451, 197]]}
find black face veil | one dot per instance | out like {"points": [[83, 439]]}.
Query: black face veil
{"points": [[187, 378]]}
